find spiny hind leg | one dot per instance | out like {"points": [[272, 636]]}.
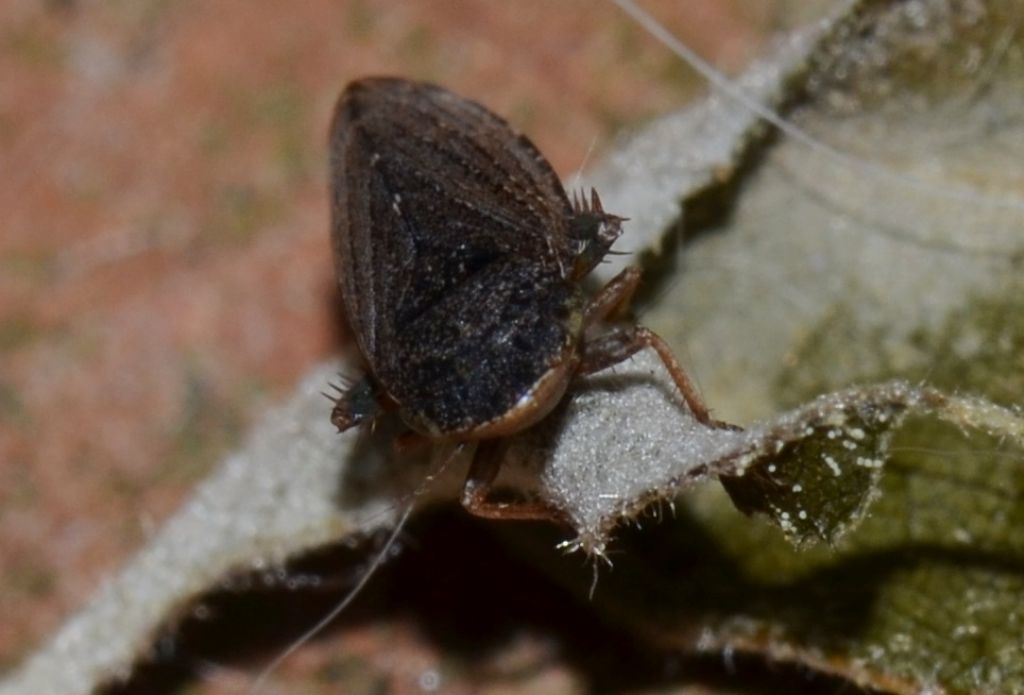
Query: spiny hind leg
{"points": [[622, 343], [614, 298], [476, 492]]}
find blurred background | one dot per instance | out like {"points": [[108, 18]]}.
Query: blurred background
{"points": [[164, 264]]}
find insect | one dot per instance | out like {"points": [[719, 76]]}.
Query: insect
{"points": [[460, 260]]}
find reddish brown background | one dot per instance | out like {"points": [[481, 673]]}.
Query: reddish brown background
{"points": [[164, 266]]}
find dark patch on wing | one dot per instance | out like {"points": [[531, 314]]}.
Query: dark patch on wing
{"points": [[475, 353]]}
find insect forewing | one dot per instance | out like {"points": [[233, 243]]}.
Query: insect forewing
{"points": [[451, 241]]}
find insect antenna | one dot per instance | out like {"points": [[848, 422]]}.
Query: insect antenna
{"points": [[309, 634], [968, 195], [446, 456]]}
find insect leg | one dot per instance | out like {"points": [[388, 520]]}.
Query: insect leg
{"points": [[480, 481], [614, 298], [622, 343]]}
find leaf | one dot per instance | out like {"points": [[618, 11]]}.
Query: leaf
{"points": [[924, 594], [891, 251]]}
